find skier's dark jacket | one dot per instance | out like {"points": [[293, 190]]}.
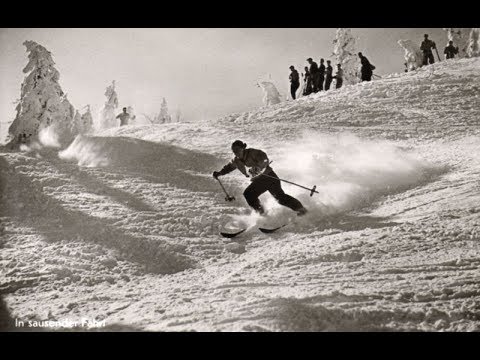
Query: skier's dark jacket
{"points": [[313, 68], [252, 158], [427, 46], [329, 71], [321, 70], [450, 51], [366, 66], [294, 77]]}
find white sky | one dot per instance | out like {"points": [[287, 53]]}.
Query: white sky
{"points": [[206, 72]]}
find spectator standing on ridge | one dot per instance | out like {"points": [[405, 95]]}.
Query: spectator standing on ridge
{"points": [[314, 74], [450, 50], [427, 46], [321, 76], [367, 68], [294, 81], [124, 117], [328, 75], [339, 76], [308, 82]]}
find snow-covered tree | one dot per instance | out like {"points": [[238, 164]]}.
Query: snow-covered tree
{"points": [[178, 115], [344, 50], [77, 123], [413, 54], [459, 36], [82, 124], [108, 113], [87, 121], [164, 117], [473, 48], [132, 115], [271, 96], [42, 101]]}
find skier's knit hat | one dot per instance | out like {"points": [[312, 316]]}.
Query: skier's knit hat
{"points": [[239, 143]]}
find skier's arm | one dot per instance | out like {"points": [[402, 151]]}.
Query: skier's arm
{"points": [[226, 169]]}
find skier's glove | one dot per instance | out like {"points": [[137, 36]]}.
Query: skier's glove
{"points": [[216, 174]]}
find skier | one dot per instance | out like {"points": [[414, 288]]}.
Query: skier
{"points": [[321, 76], [328, 75], [367, 68], [124, 117], [294, 81], [308, 82], [450, 50], [427, 46], [339, 76], [314, 72], [263, 178]]}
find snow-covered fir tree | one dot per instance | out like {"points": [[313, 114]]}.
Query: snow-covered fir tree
{"points": [[344, 49], [133, 117], [82, 123], [460, 37], [271, 96], [108, 113], [413, 55], [178, 115], [77, 123], [87, 121], [42, 101], [473, 48], [164, 117]]}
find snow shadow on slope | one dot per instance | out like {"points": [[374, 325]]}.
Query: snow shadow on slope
{"points": [[306, 315], [162, 163], [6, 320], [25, 201]]}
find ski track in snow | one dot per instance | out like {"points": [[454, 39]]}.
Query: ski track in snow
{"points": [[123, 226]]}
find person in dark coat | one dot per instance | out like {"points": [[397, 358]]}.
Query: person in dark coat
{"points": [[328, 75], [426, 47], [366, 69], [321, 76], [315, 74], [450, 51], [263, 178], [308, 82], [339, 76], [294, 81]]}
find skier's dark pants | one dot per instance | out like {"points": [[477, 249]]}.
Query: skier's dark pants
{"points": [[328, 81], [428, 58], [316, 82], [293, 89], [320, 82], [265, 183], [366, 76], [339, 83], [308, 88]]}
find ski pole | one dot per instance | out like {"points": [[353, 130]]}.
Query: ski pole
{"points": [[437, 54], [228, 197], [312, 190]]}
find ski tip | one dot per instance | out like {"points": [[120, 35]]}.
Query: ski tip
{"points": [[231, 235]]}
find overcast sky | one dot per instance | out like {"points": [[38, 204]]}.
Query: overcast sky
{"points": [[206, 72]]}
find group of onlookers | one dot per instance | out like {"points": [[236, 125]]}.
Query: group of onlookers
{"points": [[319, 78], [428, 45]]}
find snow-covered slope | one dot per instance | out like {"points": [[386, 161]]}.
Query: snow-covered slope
{"points": [[123, 226]]}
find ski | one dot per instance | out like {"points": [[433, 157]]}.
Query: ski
{"points": [[269, 231], [232, 235]]}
